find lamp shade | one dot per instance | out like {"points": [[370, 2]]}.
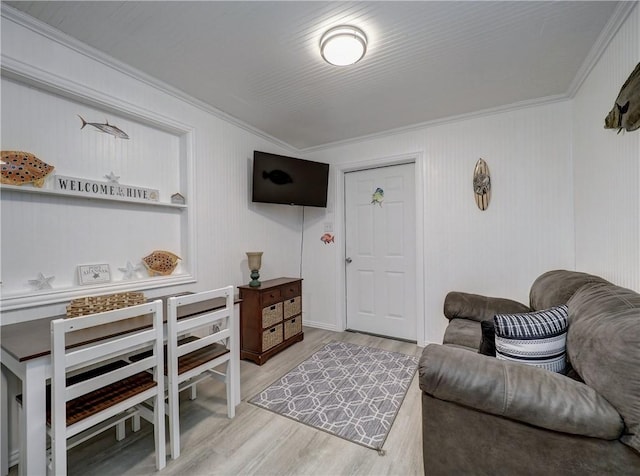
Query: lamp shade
{"points": [[343, 45], [254, 260]]}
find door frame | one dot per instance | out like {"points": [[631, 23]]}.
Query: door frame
{"points": [[416, 158]]}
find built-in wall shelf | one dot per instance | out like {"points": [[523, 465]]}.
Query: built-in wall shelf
{"points": [[78, 218], [13, 301], [62, 193]]}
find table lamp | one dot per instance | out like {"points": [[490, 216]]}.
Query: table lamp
{"points": [[254, 260]]}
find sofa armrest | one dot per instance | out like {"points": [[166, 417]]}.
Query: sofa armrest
{"points": [[519, 392], [477, 307]]}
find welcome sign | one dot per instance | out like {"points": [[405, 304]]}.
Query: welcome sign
{"points": [[112, 190], [94, 273]]}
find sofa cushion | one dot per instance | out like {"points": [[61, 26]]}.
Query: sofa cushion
{"points": [[478, 308], [463, 333], [520, 392], [554, 288], [603, 345], [535, 338]]}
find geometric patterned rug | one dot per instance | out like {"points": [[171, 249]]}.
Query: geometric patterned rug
{"points": [[345, 389]]}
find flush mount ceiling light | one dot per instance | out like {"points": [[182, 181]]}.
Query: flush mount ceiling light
{"points": [[343, 45]]}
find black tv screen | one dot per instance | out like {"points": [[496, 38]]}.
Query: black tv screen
{"points": [[281, 179]]}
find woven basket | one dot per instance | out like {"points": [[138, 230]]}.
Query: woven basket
{"points": [[292, 327], [292, 307], [108, 302], [271, 337], [271, 315]]}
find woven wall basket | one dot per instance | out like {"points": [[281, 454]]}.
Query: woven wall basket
{"points": [[108, 302]]}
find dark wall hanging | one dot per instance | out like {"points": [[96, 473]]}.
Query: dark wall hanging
{"points": [[482, 184], [626, 110]]}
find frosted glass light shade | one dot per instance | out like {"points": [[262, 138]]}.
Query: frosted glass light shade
{"points": [[254, 260], [343, 45]]}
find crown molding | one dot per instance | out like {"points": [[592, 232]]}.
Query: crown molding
{"points": [[94, 54], [621, 13], [446, 120], [619, 16], [25, 73]]}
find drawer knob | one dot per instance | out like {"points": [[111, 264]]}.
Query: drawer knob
{"points": [[293, 321], [272, 330], [272, 308], [292, 300]]}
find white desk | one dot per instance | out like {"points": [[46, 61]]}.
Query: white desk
{"points": [[26, 352]]}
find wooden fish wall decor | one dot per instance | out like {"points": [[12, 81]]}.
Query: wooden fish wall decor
{"points": [[626, 110], [482, 184], [107, 128], [19, 168]]}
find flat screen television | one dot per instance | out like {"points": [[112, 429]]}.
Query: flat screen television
{"points": [[281, 179]]}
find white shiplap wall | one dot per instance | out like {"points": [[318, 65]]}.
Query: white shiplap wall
{"points": [[536, 221], [51, 233], [226, 223], [527, 229], [607, 168]]}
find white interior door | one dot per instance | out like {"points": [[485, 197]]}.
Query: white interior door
{"points": [[380, 248]]}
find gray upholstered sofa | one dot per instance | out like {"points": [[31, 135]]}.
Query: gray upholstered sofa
{"points": [[482, 415]]}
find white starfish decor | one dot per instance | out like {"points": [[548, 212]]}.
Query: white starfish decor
{"points": [[111, 177], [42, 282], [130, 271]]}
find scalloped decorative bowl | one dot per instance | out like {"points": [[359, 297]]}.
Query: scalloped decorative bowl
{"points": [[160, 263]]}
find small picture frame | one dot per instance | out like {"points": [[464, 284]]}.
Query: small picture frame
{"points": [[93, 274]]}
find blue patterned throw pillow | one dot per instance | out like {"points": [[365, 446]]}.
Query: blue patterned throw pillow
{"points": [[535, 338]]}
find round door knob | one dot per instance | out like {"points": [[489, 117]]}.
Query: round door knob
{"points": [[348, 260]]}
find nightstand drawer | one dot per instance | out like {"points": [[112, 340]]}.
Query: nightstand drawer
{"points": [[270, 297], [291, 290]]}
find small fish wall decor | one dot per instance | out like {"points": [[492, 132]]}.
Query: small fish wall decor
{"points": [[107, 128], [626, 110], [327, 238], [19, 168], [378, 196]]}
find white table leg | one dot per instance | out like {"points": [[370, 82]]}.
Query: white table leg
{"points": [[4, 426], [33, 428], [236, 354]]}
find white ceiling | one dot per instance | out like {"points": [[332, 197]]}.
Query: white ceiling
{"points": [[259, 62]]}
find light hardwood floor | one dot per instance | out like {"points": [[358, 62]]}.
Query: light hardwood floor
{"points": [[256, 441]]}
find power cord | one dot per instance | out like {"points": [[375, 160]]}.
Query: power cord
{"points": [[301, 242]]}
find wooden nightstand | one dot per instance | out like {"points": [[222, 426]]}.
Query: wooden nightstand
{"points": [[270, 318]]}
